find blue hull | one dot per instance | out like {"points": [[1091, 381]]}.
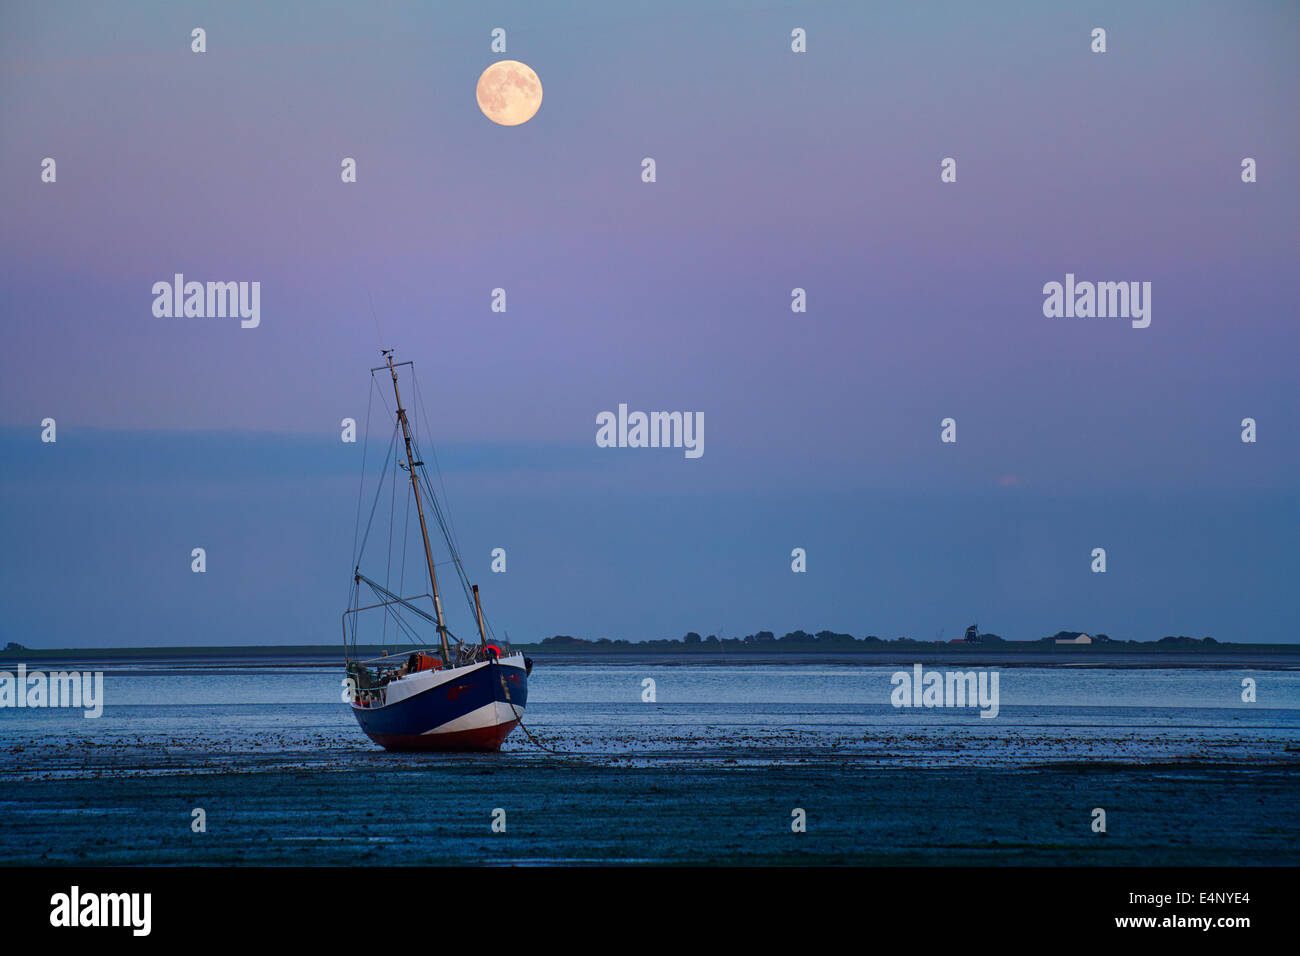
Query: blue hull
{"points": [[471, 711]]}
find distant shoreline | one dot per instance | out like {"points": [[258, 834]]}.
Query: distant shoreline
{"points": [[1009, 652]]}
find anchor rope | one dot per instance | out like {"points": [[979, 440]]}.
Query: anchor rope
{"points": [[559, 753]]}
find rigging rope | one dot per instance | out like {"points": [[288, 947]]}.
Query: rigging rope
{"points": [[365, 446], [419, 396], [397, 617], [444, 522], [388, 568], [406, 533], [425, 486], [387, 456], [519, 713], [361, 488]]}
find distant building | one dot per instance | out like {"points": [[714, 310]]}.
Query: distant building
{"points": [[1081, 639], [972, 634]]}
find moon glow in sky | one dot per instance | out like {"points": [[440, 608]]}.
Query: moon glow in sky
{"points": [[509, 92]]}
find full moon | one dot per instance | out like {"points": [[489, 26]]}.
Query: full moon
{"points": [[509, 92]]}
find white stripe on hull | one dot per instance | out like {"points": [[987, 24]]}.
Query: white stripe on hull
{"points": [[493, 714]]}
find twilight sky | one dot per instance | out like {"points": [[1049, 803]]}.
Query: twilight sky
{"points": [[775, 170]]}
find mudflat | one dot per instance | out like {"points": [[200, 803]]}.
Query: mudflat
{"points": [[433, 810]]}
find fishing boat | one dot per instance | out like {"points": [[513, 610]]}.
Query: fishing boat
{"points": [[439, 692]]}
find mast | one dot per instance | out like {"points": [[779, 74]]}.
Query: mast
{"points": [[419, 507], [478, 609]]}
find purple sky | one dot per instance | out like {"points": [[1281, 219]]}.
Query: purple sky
{"points": [[775, 170]]}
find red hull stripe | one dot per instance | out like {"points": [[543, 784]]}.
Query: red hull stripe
{"points": [[480, 738]]}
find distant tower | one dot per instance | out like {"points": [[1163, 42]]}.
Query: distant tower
{"points": [[973, 634]]}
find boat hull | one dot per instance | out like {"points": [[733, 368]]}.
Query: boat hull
{"points": [[472, 708]]}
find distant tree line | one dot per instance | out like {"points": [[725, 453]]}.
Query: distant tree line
{"points": [[833, 638]]}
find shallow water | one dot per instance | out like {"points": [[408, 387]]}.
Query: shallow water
{"points": [[198, 716], [707, 772]]}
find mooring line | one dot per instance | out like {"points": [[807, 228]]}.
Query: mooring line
{"points": [[559, 753]]}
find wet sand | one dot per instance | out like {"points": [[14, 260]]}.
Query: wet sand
{"points": [[373, 808], [710, 774]]}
